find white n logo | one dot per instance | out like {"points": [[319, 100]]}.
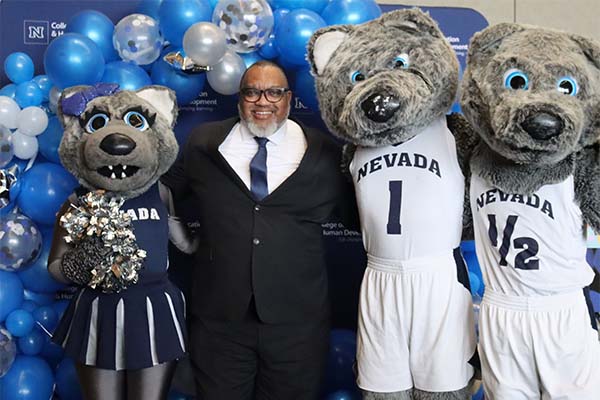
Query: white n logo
{"points": [[36, 32]]}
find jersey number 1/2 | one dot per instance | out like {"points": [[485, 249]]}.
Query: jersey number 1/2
{"points": [[529, 245], [393, 226]]}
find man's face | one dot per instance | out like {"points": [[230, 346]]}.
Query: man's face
{"points": [[263, 118]]}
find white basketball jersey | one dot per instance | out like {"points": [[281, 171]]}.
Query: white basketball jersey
{"points": [[410, 196], [530, 245]]}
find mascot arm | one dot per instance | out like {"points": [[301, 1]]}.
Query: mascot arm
{"points": [[465, 139], [179, 235], [587, 192]]}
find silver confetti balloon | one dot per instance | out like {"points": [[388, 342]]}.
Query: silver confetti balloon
{"points": [[8, 350], [20, 242], [6, 146], [98, 214], [247, 23], [137, 38]]}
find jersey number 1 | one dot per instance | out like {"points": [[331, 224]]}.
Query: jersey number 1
{"points": [[393, 225], [529, 245]]}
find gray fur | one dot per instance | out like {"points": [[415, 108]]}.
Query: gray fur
{"points": [[508, 157], [425, 90], [156, 148], [404, 395]]}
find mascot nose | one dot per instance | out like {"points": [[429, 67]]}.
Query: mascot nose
{"points": [[543, 126], [117, 144], [380, 107]]}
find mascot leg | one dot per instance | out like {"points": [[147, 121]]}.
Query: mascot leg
{"points": [[150, 383], [404, 395], [462, 394], [101, 384]]}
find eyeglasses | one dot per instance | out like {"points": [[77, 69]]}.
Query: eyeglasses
{"points": [[273, 95]]}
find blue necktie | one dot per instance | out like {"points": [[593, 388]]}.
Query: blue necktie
{"points": [[258, 170]]}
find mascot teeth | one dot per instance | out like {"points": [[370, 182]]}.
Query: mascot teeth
{"points": [[118, 171]]}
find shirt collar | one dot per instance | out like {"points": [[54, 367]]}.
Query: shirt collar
{"points": [[276, 138]]}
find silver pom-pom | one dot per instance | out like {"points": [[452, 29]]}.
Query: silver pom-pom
{"points": [[98, 214]]}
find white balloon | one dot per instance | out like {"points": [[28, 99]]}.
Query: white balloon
{"points": [[9, 110], [32, 121], [25, 147]]}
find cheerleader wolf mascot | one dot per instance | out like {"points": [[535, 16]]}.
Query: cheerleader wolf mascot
{"points": [[125, 325], [532, 97], [385, 87]]}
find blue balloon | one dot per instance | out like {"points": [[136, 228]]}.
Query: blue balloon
{"points": [[60, 307], [475, 283], [304, 88], [73, 59], [213, 3], [8, 351], [52, 353], [339, 374], [269, 50], [19, 67], [19, 322], [30, 378], [97, 27], [149, 7], [42, 299], [312, 5], [294, 32], [250, 58], [11, 293], [67, 383], [50, 139], [344, 395], [36, 277], [9, 90], [29, 305], [45, 84], [32, 343], [176, 16], [129, 76], [28, 94], [187, 87], [46, 317], [44, 188], [339, 12]]}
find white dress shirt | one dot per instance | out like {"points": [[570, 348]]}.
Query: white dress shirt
{"points": [[285, 150]]}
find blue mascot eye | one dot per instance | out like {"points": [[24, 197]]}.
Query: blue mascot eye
{"points": [[136, 120], [516, 79], [567, 85], [96, 121], [357, 76], [401, 61]]}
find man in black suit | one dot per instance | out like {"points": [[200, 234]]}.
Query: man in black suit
{"points": [[263, 185]]}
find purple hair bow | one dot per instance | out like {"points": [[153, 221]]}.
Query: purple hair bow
{"points": [[75, 104]]}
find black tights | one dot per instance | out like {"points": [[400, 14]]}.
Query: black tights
{"points": [[141, 384]]}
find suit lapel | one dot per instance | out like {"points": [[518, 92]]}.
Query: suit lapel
{"points": [[212, 148]]}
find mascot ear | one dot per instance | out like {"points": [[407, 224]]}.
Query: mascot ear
{"points": [[413, 21], [162, 99], [590, 48], [485, 43], [323, 43]]}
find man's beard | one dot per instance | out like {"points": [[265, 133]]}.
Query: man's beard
{"points": [[260, 130]]}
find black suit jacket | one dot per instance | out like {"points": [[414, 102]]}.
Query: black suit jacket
{"points": [[270, 249]]}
